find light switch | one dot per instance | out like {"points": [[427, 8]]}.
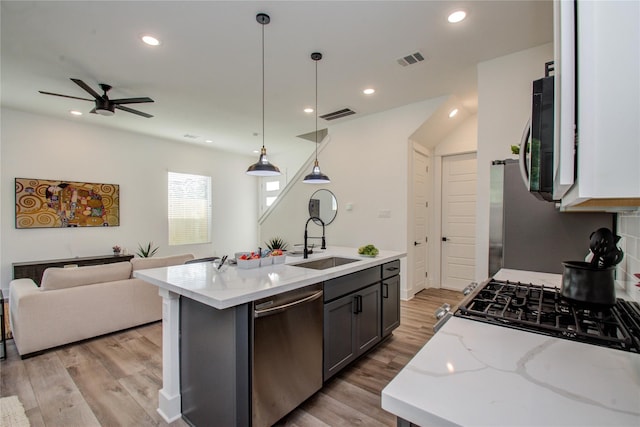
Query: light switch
{"points": [[384, 213]]}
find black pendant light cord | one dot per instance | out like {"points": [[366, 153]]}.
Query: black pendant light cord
{"points": [[316, 176], [316, 110], [263, 86], [263, 167]]}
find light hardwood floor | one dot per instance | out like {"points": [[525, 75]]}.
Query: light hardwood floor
{"points": [[114, 380]]}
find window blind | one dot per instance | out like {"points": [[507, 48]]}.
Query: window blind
{"points": [[189, 208]]}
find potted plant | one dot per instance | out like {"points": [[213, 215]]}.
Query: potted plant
{"points": [[276, 243], [116, 250], [146, 251]]}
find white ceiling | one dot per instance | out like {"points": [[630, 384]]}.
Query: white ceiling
{"points": [[205, 77]]}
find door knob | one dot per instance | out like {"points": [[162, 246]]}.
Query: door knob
{"points": [[416, 243], [444, 239]]}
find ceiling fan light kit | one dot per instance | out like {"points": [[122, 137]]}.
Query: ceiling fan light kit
{"points": [[316, 176], [263, 167], [103, 105]]}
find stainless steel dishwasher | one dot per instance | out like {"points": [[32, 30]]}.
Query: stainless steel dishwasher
{"points": [[287, 352]]}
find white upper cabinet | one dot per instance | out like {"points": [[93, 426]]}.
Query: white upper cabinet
{"points": [[607, 111]]}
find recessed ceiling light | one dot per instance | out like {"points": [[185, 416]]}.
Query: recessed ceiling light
{"points": [[209, 141], [308, 110], [75, 112], [457, 16], [150, 40], [453, 113], [369, 91]]}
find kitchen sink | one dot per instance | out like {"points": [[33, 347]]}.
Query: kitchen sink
{"points": [[324, 263]]}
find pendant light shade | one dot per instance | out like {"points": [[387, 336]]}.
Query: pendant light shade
{"points": [[263, 167], [316, 176]]}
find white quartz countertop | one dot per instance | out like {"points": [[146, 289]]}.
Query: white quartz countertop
{"points": [[476, 374], [234, 286]]}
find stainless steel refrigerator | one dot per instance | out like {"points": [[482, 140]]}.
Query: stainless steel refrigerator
{"points": [[526, 233]]}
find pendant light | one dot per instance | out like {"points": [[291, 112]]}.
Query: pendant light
{"points": [[316, 176], [262, 167]]}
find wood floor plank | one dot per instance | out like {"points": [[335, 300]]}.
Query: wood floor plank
{"points": [[301, 418], [12, 379], [337, 414], [143, 350], [111, 352], [108, 399], [114, 380], [153, 332], [59, 400], [357, 398], [143, 388]]}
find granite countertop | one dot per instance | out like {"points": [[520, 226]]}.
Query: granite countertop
{"points": [[234, 286], [473, 373]]}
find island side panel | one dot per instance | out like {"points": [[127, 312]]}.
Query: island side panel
{"points": [[169, 395], [214, 364]]}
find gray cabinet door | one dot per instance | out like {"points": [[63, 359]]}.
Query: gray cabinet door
{"points": [[351, 327], [339, 334], [368, 318], [390, 305]]}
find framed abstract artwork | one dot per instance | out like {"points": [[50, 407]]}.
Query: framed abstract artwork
{"points": [[42, 203]]}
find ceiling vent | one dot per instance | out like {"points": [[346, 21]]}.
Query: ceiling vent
{"points": [[311, 136], [414, 58], [338, 114]]}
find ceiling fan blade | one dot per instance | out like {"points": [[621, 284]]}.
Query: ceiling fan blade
{"points": [[86, 87], [64, 96], [131, 110], [130, 100]]}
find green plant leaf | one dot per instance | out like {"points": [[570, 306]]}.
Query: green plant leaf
{"points": [[276, 243], [146, 251]]}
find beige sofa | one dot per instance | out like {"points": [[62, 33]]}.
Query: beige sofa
{"points": [[74, 304]]}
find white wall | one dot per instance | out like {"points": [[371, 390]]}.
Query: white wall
{"points": [[504, 105], [367, 160], [464, 139], [35, 146]]}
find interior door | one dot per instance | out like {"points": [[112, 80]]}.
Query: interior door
{"points": [[420, 188], [459, 176]]}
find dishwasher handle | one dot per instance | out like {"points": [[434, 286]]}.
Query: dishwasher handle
{"points": [[280, 308]]}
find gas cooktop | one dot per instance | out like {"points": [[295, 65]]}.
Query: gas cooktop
{"points": [[542, 309]]}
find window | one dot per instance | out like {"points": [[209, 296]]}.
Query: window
{"points": [[272, 185], [270, 199], [269, 190], [189, 209]]}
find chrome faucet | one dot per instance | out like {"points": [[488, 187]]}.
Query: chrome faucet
{"points": [[306, 237]]}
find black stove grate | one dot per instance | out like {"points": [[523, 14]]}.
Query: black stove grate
{"points": [[542, 309]]}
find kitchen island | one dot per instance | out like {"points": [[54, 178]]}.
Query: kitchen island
{"points": [[477, 374], [223, 299]]}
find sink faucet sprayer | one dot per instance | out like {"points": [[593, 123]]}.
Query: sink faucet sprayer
{"points": [[306, 237]]}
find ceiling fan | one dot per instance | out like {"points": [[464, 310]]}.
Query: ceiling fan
{"points": [[104, 105]]}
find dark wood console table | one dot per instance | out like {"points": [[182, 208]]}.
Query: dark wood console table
{"points": [[35, 269]]}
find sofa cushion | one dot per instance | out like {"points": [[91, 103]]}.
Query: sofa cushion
{"points": [[156, 262], [60, 277]]}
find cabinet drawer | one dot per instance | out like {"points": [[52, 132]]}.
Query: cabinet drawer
{"points": [[335, 288], [390, 269]]}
